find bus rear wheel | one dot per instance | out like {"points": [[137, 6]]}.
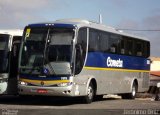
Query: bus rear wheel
{"points": [[133, 93], [90, 94]]}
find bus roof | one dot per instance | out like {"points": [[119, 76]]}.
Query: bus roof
{"points": [[81, 22], [85, 23], [13, 32]]}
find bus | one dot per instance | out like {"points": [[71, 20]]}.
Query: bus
{"points": [[9, 47], [75, 57]]}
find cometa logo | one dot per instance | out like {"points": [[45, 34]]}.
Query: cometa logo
{"points": [[114, 63]]}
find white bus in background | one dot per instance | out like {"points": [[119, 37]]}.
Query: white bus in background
{"points": [[9, 48]]}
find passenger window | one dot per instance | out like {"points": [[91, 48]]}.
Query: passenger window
{"points": [[93, 40], [122, 47], [147, 49], [114, 42], [129, 47], [139, 49], [103, 42]]}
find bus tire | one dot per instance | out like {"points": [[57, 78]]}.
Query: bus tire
{"points": [[90, 94], [133, 93]]}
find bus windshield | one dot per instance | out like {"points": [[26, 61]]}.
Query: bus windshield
{"points": [[4, 39], [47, 51]]}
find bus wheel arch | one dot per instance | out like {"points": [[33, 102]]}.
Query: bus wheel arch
{"points": [[94, 84], [136, 83]]}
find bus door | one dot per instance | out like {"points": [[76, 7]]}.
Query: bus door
{"points": [[12, 81]]}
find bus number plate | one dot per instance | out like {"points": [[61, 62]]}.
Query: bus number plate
{"points": [[42, 91]]}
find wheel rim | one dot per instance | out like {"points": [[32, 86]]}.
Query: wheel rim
{"points": [[133, 91], [90, 92]]}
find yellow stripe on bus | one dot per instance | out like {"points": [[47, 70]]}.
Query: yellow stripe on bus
{"points": [[115, 69]]}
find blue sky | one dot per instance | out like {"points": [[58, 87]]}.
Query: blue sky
{"points": [[132, 14]]}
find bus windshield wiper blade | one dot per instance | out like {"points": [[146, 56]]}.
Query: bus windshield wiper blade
{"points": [[44, 55]]}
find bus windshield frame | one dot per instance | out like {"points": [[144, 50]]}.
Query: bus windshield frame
{"points": [[47, 51]]}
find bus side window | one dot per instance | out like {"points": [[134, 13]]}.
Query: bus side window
{"points": [[93, 40], [139, 49], [146, 49], [129, 47], [103, 41], [113, 49], [114, 41], [122, 47]]}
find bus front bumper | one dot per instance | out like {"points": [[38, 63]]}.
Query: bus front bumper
{"points": [[47, 91]]}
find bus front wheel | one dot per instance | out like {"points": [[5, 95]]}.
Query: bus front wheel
{"points": [[90, 94]]}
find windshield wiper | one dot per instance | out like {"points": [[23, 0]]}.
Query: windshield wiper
{"points": [[44, 55]]}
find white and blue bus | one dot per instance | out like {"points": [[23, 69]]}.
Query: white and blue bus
{"points": [[82, 58], [9, 49]]}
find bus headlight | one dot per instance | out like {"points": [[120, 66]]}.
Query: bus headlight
{"points": [[64, 84], [23, 83]]}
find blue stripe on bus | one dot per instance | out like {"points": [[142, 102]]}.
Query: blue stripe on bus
{"points": [[37, 77], [64, 25], [99, 59], [52, 25]]}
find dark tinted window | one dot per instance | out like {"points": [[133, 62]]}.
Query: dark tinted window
{"points": [[129, 47], [114, 42], [93, 40], [122, 47], [139, 48], [104, 41], [147, 49]]}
